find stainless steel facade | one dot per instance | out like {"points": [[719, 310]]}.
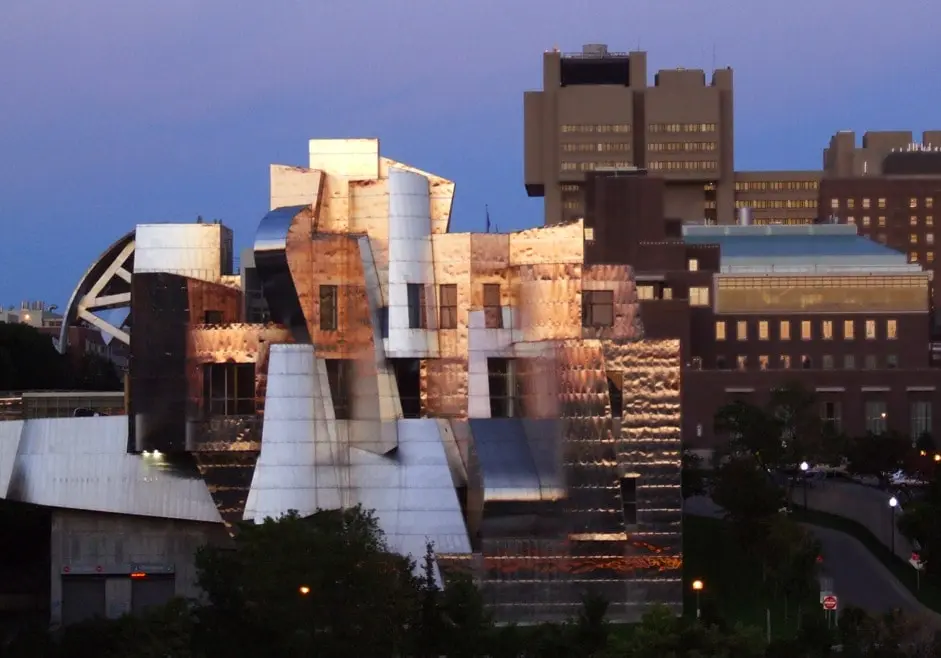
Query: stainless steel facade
{"points": [[492, 393]]}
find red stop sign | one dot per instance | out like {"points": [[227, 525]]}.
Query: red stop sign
{"points": [[829, 602]]}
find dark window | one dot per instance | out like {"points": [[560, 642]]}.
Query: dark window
{"points": [[447, 306], [615, 393], [493, 311], [417, 317], [384, 322], [339, 376], [504, 388], [696, 363], [806, 363], [229, 389], [151, 592], [408, 380], [629, 499], [721, 363], [212, 317], [597, 308], [328, 308], [83, 597], [891, 361]]}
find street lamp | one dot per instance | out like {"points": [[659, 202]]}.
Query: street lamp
{"points": [[804, 468], [304, 590], [698, 587], [893, 504]]}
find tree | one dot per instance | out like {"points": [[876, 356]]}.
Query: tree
{"points": [[93, 372], [693, 480], [28, 360], [661, 634], [921, 521], [748, 496], [289, 586], [878, 455], [790, 555]]}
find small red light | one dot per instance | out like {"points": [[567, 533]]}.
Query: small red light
{"points": [[819, 559], [138, 574], [916, 557], [66, 569]]}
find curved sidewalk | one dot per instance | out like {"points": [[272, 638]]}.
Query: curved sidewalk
{"points": [[859, 578]]}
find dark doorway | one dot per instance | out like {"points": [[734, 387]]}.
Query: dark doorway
{"points": [[408, 379]]}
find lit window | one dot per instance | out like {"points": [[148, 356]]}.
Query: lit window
{"points": [[763, 330], [929, 220], [913, 257], [866, 220], [882, 202], [645, 291], [929, 257], [850, 203], [741, 362], [848, 329], [929, 202], [693, 264], [763, 362], [852, 220], [865, 203], [929, 238], [720, 330], [870, 329], [913, 203], [785, 361], [699, 296], [891, 329], [667, 293], [828, 329], [805, 330], [913, 238], [876, 416], [881, 220], [589, 234], [913, 220], [741, 330], [784, 330], [835, 204]]}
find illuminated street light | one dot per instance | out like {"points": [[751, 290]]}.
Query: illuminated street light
{"points": [[804, 468], [893, 504], [304, 589], [937, 457], [698, 587]]}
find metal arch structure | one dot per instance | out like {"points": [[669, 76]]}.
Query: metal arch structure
{"points": [[99, 290]]}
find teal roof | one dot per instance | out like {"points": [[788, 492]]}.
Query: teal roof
{"points": [[769, 246]]}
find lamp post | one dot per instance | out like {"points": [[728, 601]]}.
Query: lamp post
{"points": [[304, 590], [893, 504], [804, 468], [698, 587]]}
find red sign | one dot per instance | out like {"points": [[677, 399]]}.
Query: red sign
{"points": [[829, 602]]}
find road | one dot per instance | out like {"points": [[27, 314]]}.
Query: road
{"points": [[859, 578]]}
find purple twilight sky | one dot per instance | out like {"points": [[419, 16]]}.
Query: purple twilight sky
{"points": [[114, 113]]}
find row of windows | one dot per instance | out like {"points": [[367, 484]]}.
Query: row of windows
{"points": [[790, 221], [850, 204], [698, 296], [682, 128], [596, 128], [778, 283], [805, 362], [591, 166], [913, 257], [762, 204], [694, 165], [807, 330], [686, 147], [571, 189], [777, 186], [866, 220], [592, 147], [877, 417]]}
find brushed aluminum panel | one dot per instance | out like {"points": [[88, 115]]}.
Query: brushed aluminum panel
{"points": [[441, 193], [10, 432], [507, 466], [294, 186], [271, 264], [190, 250], [82, 463]]}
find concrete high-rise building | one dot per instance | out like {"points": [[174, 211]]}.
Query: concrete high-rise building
{"points": [[596, 111]]}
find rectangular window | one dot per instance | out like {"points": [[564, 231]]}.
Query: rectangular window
{"points": [[597, 308], [806, 330], [720, 330], [447, 306], [913, 220], [741, 330], [417, 309], [763, 362], [589, 234], [229, 389], [504, 388], [645, 291], [869, 362], [913, 238], [881, 202], [891, 329], [929, 238], [699, 296], [866, 221], [212, 317], [870, 329], [493, 309], [848, 329], [693, 264], [876, 416], [891, 361], [831, 413], [913, 202], [929, 220], [806, 362], [827, 329], [762, 330], [866, 203], [784, 330], [629, 499], [786, 361], [929, 257], [340, 378], [920, 419], [741, 362], [849, 362], [882, 220], [850, 203], [827, 362], [328, 308], [929, 202], [616, 393]]}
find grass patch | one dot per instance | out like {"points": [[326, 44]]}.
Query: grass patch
{"points": [[733, 579], [929, 593]]}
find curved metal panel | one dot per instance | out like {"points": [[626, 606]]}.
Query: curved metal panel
{"points": [[271, 263], [95, 272]]}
